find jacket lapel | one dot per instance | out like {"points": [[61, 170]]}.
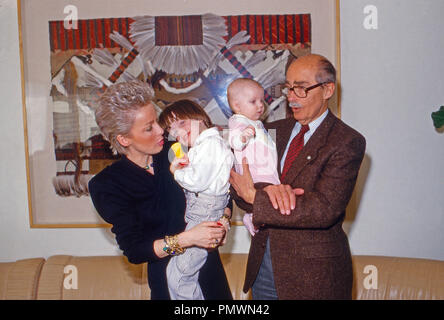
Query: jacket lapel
{"points": [[310, 151]]}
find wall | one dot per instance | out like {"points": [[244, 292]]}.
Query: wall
{"points": [[391, 82]]}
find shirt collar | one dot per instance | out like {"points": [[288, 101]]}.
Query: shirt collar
{"points": [[316, 123]]}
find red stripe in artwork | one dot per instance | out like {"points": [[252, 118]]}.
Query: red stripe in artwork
{"points": [[126, 30], [121, 68], [228, 55], [115, 75], [265, 30], [243, 20], [234, 25], [116, 28], [259, 33], [274, 29], [68, 33], [99, 31], [251, 21], [77, 36], [289, 22], [84, 30], [125, 62], [298, 29], [92, 34], [133, 54], [107, 40], [307, 30], [62, 36], [54, 39], [281, 28], [129, 58]]}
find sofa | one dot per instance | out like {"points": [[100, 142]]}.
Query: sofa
{"points": [[65, 277]]}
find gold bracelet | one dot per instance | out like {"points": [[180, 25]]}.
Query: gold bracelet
{"points": [[172, 246]]}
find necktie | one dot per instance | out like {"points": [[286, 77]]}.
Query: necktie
{"points": [[296, 146]]}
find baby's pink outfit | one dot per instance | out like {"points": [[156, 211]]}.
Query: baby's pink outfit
{"points": [[260, 152]]}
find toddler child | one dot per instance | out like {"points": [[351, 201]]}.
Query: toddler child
{"points": [[203, 173]]}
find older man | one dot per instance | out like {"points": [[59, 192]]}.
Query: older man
{"points": [[301, 251]]}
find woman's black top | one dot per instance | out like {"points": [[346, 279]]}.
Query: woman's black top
{"points": [[143, 208]]}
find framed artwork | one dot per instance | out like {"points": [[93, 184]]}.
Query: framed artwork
{"points": [[185, 49]]}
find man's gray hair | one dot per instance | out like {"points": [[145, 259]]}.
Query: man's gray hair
{"points": [[326, 72]]}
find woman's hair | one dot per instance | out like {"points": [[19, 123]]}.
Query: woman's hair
{"points": [[182, 110], [117, 108]]}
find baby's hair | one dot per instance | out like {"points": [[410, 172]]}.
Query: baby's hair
{"points": [[234, 88], [182, 110]]}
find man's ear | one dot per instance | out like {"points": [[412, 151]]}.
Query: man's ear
{"points": [[329, 90], [124, 141]]}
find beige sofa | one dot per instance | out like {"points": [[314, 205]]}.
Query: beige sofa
{"points": [[113, 277]]}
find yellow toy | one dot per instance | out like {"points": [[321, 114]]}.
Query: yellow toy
{"points": [[177, 149]]}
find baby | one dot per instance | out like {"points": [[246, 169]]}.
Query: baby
{"points": [[248, 137], [204, 174]]}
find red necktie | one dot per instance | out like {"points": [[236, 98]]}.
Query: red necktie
{"points": [[296, 146]]}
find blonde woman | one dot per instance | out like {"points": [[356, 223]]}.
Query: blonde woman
{"points": [[140, 198]]}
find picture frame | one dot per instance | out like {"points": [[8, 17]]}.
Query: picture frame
{"points": [[46, 74]]}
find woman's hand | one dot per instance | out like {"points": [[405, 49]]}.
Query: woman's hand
{"points": [[283, 197], [208, 235]]}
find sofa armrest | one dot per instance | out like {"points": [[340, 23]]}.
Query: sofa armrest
{"points": [[398, 278], [18, 280]]}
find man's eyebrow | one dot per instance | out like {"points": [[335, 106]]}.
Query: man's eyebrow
{"points": [[297, 83]]}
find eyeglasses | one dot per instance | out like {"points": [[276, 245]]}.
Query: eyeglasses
{"points": [[300, 91]]}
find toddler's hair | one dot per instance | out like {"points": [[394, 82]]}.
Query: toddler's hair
{"points": [[181, 110]]}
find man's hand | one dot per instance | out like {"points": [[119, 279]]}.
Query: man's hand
{"points": [[243, 183], [283, 197]]}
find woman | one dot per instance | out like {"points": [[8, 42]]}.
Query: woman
{"points": [[140, 198]]}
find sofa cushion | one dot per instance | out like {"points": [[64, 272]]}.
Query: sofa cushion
{"points": [[96, 278]]}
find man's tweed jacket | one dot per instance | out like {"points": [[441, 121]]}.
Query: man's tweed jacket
{"points": [[310, 253]]}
